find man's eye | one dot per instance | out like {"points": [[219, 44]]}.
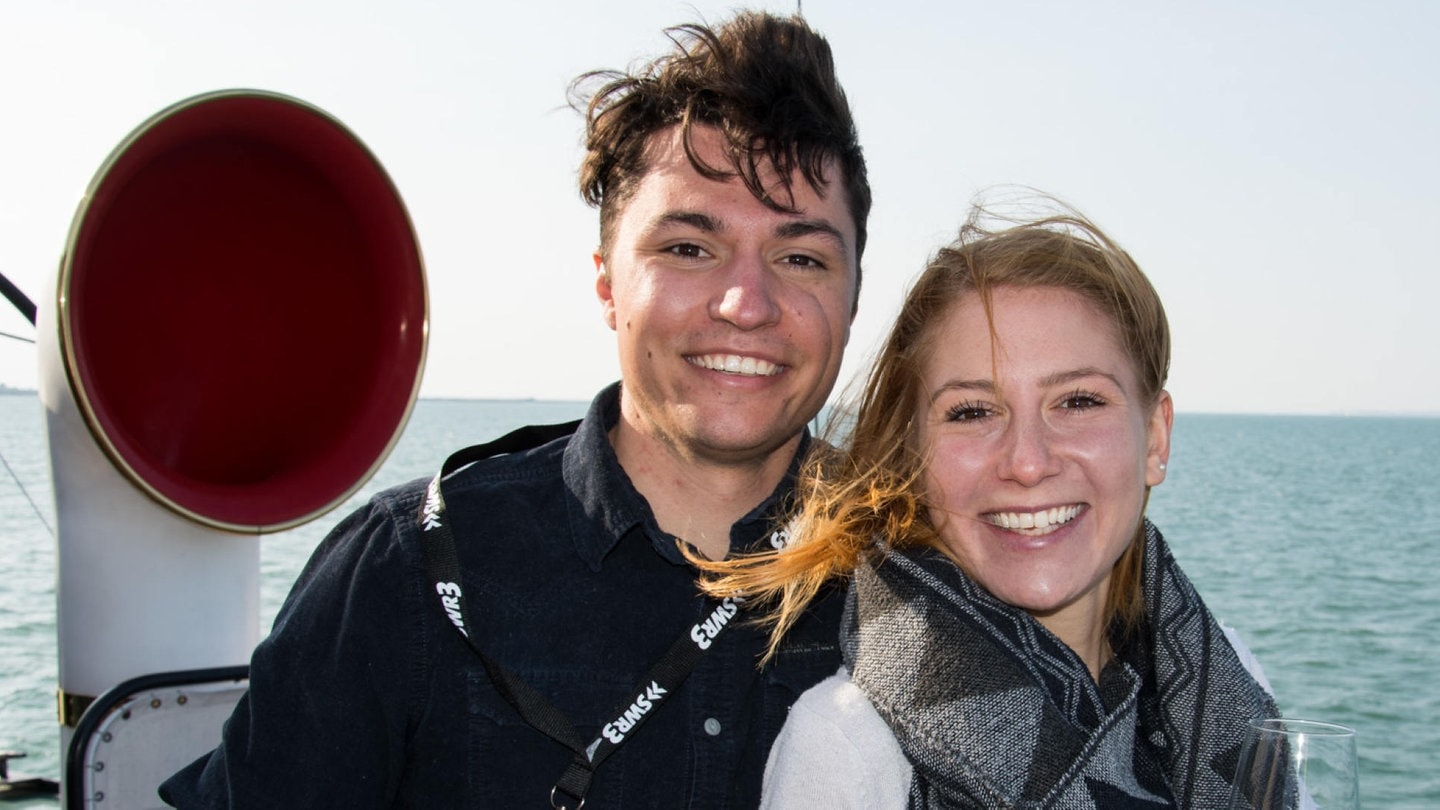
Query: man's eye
{"points": [[687, 250], [803, 260]]}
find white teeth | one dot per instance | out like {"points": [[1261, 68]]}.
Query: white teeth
{"points": [[1042, 522], [735, 364]]}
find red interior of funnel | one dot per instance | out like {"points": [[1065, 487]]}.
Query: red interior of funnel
{"points": [[244, 310]]}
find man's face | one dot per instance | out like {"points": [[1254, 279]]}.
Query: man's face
{"points": [[731, 317]]}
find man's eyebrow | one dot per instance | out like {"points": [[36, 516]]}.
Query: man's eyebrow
{"points": [[791, 229], [693, 219], [813, 227]]}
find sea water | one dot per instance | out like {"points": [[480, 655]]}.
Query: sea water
{"points": [[1318, 538]]}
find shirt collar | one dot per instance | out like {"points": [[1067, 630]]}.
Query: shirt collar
{"points": [[609, 506]]}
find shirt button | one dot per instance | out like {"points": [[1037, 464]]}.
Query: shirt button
{"points": [[712, 727]]}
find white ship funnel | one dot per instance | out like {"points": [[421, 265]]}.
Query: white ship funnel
{"points": [[233, 345]]}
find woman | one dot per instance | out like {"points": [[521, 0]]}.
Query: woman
{"points": [[1017, 634]]}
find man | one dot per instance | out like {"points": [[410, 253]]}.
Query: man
{"points": [[733, 201]]}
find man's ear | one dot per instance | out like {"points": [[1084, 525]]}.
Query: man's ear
{"points": [[603, 291]]}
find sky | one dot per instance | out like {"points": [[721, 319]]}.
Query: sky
{"points": [[1272, 166]]}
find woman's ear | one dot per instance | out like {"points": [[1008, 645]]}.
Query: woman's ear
{"points": [[1162, 417]]}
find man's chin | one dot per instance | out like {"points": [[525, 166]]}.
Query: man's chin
{"points": [[744, 444]]}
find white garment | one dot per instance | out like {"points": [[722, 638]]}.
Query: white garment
{"points": [[836, 751]]}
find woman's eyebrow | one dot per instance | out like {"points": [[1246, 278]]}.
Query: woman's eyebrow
{"points": [[982, 386], [1049, 380], [1063, 377]]}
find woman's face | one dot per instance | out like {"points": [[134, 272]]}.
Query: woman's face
{"points": [[1040, 451]]}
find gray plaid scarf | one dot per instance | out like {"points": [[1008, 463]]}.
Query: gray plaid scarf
{"points": [[995, 712]]}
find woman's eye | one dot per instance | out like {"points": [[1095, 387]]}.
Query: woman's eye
{"points": [[1081, 401], [967, 412]]}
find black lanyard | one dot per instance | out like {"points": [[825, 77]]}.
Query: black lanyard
{"points": [[442, 564]]}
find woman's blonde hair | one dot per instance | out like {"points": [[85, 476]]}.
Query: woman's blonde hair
{"points": [[872, 488]]}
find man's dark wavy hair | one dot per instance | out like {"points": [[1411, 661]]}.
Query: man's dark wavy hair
{"points": [[767, 83]]}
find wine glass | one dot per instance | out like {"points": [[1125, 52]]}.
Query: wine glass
{"points": [[1296, 765]]}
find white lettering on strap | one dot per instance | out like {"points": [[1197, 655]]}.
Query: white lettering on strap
{"points": [[705, 632], [431, 513], [780, 538], [450, 596], [615, 731]]}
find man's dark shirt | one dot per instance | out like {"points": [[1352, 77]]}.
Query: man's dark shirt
{"points": [[365, 696]]}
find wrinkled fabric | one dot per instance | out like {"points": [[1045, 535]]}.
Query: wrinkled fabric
{"points": [[364, 696], [995, 712]]}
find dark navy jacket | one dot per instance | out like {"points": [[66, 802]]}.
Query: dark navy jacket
{"points": [[365, 696]]}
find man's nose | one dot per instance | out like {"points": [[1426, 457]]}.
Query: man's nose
{"points": [[748, 296]]}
